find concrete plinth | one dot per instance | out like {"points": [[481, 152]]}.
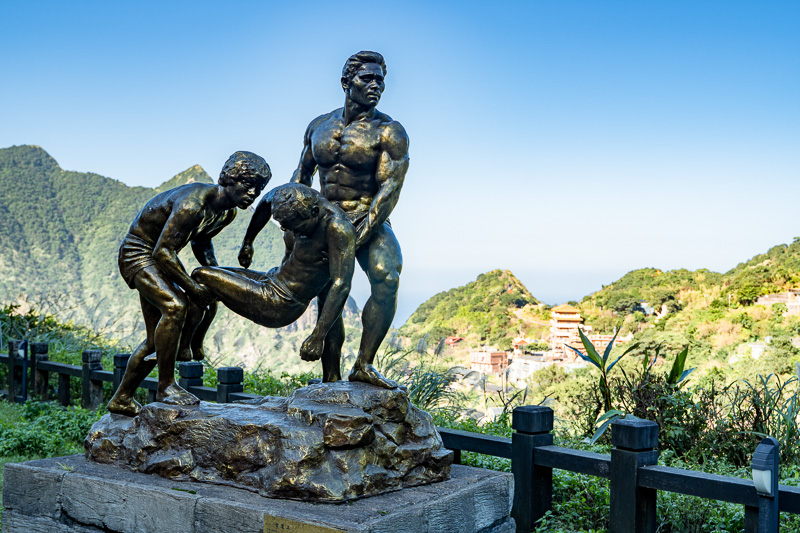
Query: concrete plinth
{"points": [[70, 494]]}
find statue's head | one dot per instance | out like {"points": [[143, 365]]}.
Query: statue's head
{"points": [[295, 207], [244, 176], [363, 77]]}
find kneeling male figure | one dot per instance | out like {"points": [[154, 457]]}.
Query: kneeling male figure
{"points": [[177, 310]]}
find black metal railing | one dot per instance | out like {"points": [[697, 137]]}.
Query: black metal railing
{"points": [[632, 470]]}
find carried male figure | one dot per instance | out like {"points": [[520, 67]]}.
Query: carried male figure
{"points": [[318, 262]]}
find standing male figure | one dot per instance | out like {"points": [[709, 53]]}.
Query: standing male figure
{"points": [[177, 309], [362, 158]]}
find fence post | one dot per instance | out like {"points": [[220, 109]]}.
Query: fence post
{"points": [[633, 509], [12, 370], [40, 379], [92, 395], [229, 379], [120, 364], [533, 485], [190, 374], [765, 466], [64, 393]]}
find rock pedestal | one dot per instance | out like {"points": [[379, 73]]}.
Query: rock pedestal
{"points": [[330, 442]]}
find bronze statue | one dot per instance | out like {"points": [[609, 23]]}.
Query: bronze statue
{"points": [[177, 309], [319, 261], [362, 158]]}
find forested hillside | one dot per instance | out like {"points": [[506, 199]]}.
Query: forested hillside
{"points": [[486, 311], [715, 314], [59, 236]]}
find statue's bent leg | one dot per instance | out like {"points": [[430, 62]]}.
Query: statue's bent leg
{"points": [[382, 261], [332, 349], [247, 293], [174, 306], [138, 368], [195, 318]]}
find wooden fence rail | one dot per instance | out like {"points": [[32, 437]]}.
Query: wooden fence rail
{"points": [[632, 470]]}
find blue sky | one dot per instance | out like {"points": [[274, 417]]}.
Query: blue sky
{"points": [[569, 142]]}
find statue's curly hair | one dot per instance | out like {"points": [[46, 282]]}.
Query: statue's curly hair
{"points": [[355, 61], [293, 201], [246, 163]]}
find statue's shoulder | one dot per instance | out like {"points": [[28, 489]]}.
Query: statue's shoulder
{"points": [[191, 196], [336, 113], [392, 132], [338, 220]]}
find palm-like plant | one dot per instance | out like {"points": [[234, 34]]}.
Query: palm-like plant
{"points": [[601, 363]]}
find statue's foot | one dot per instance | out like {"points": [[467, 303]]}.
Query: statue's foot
{"points": [[198, 354], [306, 356], [124, 406], [369, 374], [176, 395], [331, 377], [185, 355]]}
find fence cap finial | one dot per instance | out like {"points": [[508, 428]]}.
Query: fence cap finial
{"points": [[532, 419], [634, 434]]}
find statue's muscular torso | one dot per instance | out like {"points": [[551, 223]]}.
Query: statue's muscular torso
{"points": [[347, 156]]}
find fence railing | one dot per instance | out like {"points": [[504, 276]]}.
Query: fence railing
{"points": [[632, 470]]}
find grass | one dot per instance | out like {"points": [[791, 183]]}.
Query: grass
{"points": [[37, 430]]}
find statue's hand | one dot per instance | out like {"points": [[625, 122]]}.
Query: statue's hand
{"points": [[246, 255], [361, 236], [311, 350]]}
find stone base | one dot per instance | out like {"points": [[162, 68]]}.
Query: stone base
{"points": [[71, 494], [328, 442]]}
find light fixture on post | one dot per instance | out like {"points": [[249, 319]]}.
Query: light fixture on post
{"points": [[765, 467], [766, 459]]}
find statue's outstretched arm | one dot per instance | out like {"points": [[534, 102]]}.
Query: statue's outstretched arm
{"points": [[260, 218]]}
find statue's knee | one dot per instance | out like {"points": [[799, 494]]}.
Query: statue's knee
{"points": [[199, 274], [175, 310], [385, 279]]}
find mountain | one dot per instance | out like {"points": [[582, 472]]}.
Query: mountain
{"points": [[717, 315], [489, 310], [59, 236], [194, 174]]}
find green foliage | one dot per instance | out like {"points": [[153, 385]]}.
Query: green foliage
{"points": [[43, 429], [428, 387], [601, 363], [65, 341], [263, 382]]}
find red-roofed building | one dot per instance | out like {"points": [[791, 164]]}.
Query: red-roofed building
{"points": [[452, 341]]}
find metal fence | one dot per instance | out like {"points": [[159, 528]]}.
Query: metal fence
{"points": [[632, 470]]}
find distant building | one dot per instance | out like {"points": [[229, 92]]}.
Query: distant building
{"points": [[488, 362], [523, 366], [564, 323], [520, 344], [452, 341], [790, 298], [601, 342]]}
